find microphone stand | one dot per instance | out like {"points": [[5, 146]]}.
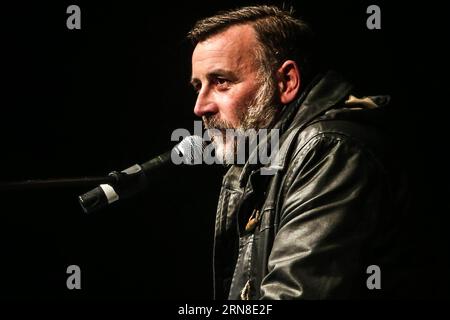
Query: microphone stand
{"points": [[124, 183], [40, 184], [110, 188]]}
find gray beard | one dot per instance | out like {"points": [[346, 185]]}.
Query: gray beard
{"points": [[260, 114]]}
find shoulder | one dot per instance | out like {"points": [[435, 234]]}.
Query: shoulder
{"points": [[336, 143]]}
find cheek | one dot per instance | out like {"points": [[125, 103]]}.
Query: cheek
{"points": [[233, 103], [230, 108]]}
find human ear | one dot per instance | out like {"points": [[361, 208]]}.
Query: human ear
{"points": [[289, 81]]}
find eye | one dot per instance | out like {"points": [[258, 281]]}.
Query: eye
{"points": [[221, 83], [197, 88]]}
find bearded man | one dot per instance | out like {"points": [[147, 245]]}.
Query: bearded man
{"points": [[330, 208]]}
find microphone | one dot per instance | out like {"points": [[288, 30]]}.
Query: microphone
{"points": [[134, 179]]}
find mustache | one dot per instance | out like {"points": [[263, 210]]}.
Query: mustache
{"points": [[214, 122]]}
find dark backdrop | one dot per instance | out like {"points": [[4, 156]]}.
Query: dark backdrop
{"points": [[86, 102]]}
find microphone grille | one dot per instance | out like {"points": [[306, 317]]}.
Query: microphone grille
{"points": [[191, 149]]}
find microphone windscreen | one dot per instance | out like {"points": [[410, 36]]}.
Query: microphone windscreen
{"points": [[191, 148]]}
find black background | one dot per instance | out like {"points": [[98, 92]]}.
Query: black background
{"points": [[86, 102]]}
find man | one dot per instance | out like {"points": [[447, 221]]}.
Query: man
{"points": [[312, 228]]}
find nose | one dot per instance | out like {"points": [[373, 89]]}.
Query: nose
{"points": [[205, 104]]}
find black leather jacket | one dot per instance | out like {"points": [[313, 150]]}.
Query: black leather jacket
{"points": [[331, 209]]}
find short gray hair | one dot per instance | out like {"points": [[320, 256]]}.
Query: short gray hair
{"points": [[280, 35]]}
